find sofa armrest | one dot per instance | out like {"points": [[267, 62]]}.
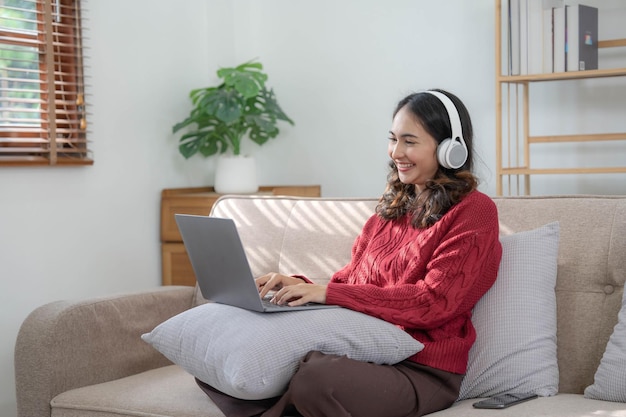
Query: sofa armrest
{"points": [[70, 344]]}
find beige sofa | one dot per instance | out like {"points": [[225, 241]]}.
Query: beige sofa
{"points": [[86, 358]]}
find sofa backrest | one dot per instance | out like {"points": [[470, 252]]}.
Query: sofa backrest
{"points": [[292, 235], [314, 236], [590, 277]]}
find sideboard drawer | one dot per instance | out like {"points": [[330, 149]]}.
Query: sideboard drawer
{"points": [[177, 269], [199, 204]]}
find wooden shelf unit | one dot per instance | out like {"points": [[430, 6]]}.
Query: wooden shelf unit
{"points": [[522, 167], [175, 266]]}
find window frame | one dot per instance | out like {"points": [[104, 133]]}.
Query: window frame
{"points": [[61, 137]]}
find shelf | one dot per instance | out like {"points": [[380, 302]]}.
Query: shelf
{"points": [[561, 76], [551, 171], [611, 43], [513, 118], [596, 137]]}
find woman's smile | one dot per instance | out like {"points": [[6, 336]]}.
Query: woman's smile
{"points": [[404, 166]]}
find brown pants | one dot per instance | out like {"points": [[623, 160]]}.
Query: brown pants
{"points": [[335, 386]]}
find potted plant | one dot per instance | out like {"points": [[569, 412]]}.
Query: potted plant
{"points": [[241, 105]]}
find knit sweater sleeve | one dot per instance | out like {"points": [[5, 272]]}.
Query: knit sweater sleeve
{"points": [[446, 269]]}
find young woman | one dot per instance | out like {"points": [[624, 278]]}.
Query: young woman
{"points": [[421, 262]]}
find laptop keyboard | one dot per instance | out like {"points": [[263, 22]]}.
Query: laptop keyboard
{"points": [[266, 303]]}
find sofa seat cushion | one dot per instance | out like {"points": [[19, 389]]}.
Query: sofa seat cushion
{"points": [[561, 405], [161, 392]]}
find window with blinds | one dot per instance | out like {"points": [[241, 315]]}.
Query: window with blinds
{"points": [[42, 99]]}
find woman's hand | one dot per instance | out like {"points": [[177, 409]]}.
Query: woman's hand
{"points": [[290, 290], [274, 281]]}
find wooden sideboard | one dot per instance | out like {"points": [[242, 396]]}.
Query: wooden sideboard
{"points": [[176, 268]]}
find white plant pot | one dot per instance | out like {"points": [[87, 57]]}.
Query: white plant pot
{"points": [[235, 175]]}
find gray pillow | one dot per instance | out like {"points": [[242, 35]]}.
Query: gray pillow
{"points": [[610, 379], [253, 356], [515, 321]]}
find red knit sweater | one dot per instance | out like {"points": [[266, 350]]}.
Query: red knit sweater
{"points": [[425, 281]]}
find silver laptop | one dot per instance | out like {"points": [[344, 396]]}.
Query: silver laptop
{"points": [[221, 267]]}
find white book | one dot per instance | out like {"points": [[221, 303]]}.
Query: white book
{"points": [[571, 38], [549, 9], [514, 37], [559, 39], [548, 41], [535, 36], [523, 38]]}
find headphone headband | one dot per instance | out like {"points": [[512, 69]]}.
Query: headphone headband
{"points": [[453, 114], [452, 152]]}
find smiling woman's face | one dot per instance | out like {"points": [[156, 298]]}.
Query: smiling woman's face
{"points": [[412, 149]]}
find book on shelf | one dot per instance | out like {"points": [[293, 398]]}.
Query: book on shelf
{"points": [[581, 48], [531, 35], [547, 36], [523, 37], [513, 36], [558, 14], [534, 11], [548, 40]]}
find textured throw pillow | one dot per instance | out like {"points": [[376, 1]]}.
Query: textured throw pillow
{"points": [[610, 379], [515, 321], [253, 356]]}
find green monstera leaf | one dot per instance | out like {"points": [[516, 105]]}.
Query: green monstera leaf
{"points": [[223, 115], [248, 79]]}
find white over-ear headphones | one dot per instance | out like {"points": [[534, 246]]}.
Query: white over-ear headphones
{"points": [[451, 152]]}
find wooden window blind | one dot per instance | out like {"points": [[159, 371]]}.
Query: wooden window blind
{"points": [[42, 99]]}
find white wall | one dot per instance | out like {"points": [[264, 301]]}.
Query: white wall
{"points": [[338, 68], [86, 231]]}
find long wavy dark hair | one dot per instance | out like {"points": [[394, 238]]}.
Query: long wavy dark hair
{"points": [[449, 186]]}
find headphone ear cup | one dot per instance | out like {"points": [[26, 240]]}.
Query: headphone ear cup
{"points": [[451, 154]]}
